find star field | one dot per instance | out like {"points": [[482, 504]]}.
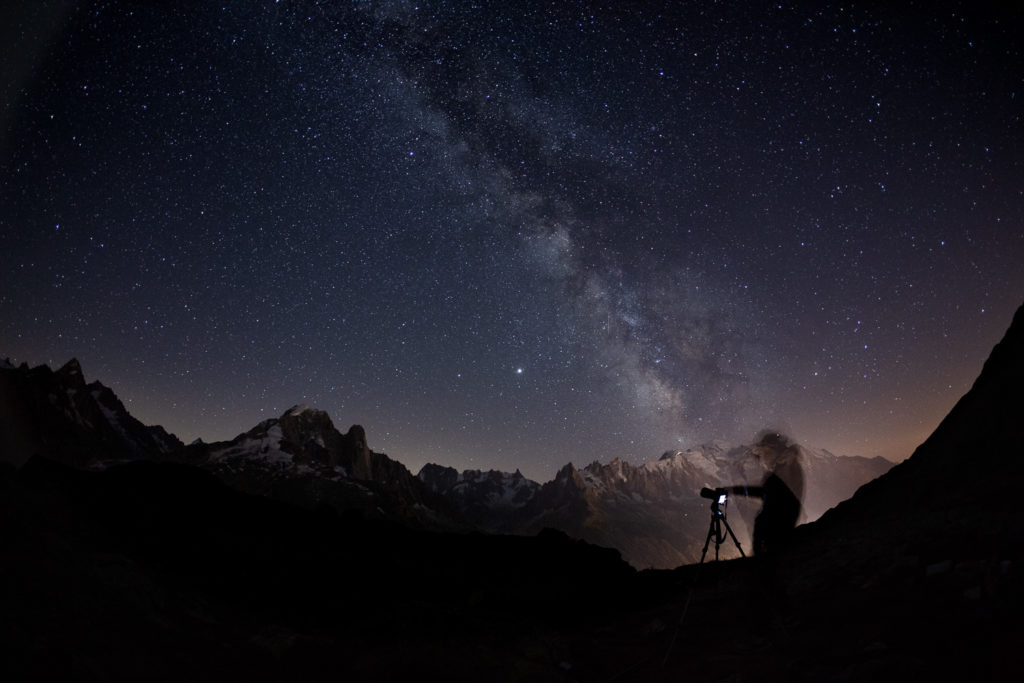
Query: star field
{"points": [[511, 235]]}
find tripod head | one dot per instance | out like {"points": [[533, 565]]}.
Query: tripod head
{"points": [[719, 498]]}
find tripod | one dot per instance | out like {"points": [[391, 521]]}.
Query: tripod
{"points": [[718, 520]]}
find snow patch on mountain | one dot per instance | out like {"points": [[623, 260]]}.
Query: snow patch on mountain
{"points": [[262, 443], [112, 417]]}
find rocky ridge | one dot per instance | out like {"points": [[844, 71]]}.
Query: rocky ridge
{"points": [[56, 414], [652, 512], [302, 458]]}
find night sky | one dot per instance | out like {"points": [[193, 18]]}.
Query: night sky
{"points": [[517, 234]]}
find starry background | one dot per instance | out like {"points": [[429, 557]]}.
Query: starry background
{"points": [[517, 234]]}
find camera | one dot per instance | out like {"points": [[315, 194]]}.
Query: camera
{"points": [[718, 494]]}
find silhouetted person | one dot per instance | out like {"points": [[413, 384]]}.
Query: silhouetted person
{"points": [[780, 492]]}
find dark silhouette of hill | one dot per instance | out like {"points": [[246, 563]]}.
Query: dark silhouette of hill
{"points": [[974, 460], [158, 571]]}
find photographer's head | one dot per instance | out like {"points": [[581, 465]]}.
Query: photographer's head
{"points": [[774, 448]]}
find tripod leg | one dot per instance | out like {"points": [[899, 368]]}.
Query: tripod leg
{"points": [[718, 535], [712, 531], [707, 541], [733, 536]]}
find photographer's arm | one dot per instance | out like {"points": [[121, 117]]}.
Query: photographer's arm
{"points": [[748, 491]]}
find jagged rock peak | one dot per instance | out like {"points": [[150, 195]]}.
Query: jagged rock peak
{"points": [[567, 470], [356, 435], [438, 478], [305, 419], [304, 413], [71, 372], [433, 472], [433, 469], [72, 367], [568, 474], [299, 409]]}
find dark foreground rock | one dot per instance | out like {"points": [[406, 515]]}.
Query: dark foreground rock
{"points": [[158, 571], [152, 571]]}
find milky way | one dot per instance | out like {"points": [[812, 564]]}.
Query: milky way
{"points": [[517, 234]]}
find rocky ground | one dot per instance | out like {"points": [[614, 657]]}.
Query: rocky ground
{"points": [[110, 576]]}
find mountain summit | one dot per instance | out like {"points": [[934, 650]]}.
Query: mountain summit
{"points": [[302, 458]]}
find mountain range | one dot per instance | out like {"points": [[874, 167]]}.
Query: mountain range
{"points": [[651, 513], [122, 563]]}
